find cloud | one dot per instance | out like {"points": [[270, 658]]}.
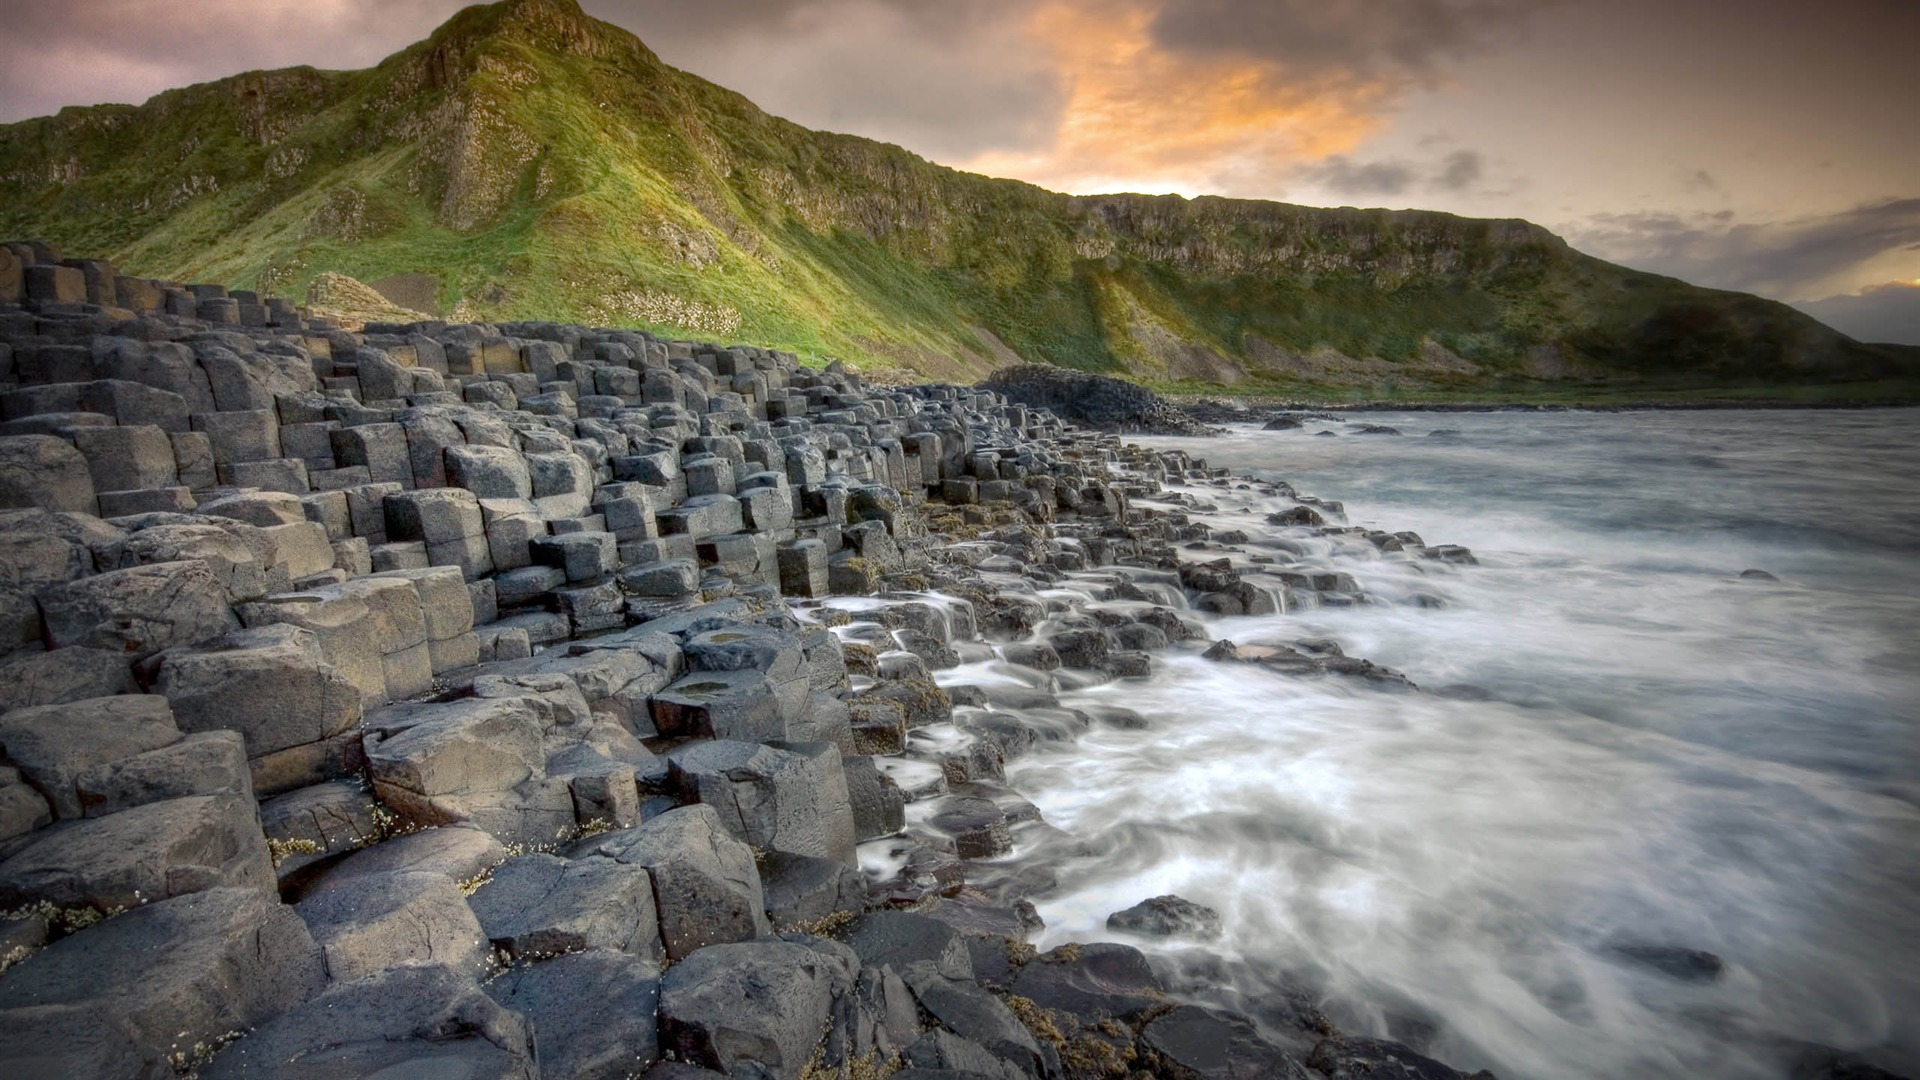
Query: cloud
{"points": [[949, 80], [1800, 259], [1338, 173], [1462, 170], [1343, 177], [1888, 313], [1192, 96], [85, 52], [1219, 96], [1369, 40]]}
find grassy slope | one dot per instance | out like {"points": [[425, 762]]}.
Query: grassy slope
{"points": [[544, 165]]}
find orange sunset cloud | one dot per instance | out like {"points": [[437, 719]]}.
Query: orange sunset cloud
{"points": [[1142, 117]]}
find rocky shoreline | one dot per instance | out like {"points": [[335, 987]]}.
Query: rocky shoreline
{"points": [[535, 700]]}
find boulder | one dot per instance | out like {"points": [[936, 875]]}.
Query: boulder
{"points": [[740, 705], [475, 760], [1192, 1043], [343, 626], [596, 1013], [751, 1009], [139, 611], [200, 764], [460, 852], [411, 1021], [234, 563], [537, 906], [1092, 982], [898, 939], [787, 798], [29, 680], [138, 992], [705, 885], [54, 745], [43, 471], [271, 683], [146, 853], [378, 921], [1167, 916]]}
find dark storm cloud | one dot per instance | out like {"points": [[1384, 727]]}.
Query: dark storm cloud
{"points": [[1887, 313], [1360, 39], [1792, 259], [1457, 172]]}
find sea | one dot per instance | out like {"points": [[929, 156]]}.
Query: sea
{"points": [[1647, 815]]}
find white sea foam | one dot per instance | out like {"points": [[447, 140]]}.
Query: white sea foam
{"points": [[1667, 754]]}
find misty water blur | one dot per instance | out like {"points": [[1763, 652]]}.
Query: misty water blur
{"points": [[1662, 753]]}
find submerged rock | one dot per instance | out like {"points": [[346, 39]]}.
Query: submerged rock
{"points": [[1167, 916]]}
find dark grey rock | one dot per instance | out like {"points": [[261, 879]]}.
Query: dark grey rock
{"points": [[411, 1021], [898, 939], [1167, 916], [123, 997], [379, 921], [1091, 981], [754, 1009], [596, 1014], [705, 885], [1192, 1043], [538, 905]]}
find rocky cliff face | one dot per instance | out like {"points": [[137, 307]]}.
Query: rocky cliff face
{"points": [[533, 162]]}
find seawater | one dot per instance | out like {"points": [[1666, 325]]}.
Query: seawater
{"points": [[1637, 746]]}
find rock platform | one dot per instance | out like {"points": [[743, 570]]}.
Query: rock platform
{"points": [[527, 699]]}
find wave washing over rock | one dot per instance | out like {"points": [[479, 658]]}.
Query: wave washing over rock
{"points": [[536, 700]]}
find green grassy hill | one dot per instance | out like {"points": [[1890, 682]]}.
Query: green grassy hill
{"points": [[527, 161]]}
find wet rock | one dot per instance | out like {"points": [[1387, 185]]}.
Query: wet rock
{"points": [[879, 808], [1192, 1043], [1091, 982], [978, 1016], [801, 890], [1350, 1057], [943, 1054], [899, 939], [1674, 961], [978, 826], [1167, 916]]}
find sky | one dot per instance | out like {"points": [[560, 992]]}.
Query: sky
{"points": [[1770, 146]]}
